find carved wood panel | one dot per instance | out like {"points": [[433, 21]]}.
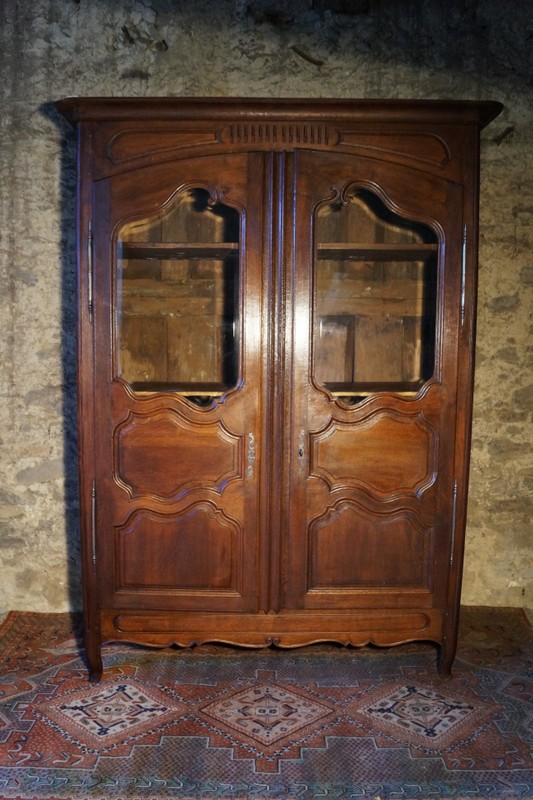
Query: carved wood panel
{"points": [[128, 145], [386, 454], [191, 551], [350, 547], [167, 455], [425, 148]]}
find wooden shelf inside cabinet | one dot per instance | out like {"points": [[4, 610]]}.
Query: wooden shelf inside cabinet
{"points": [[368, 389], [375, 252], [184, 389], [179, 250]]}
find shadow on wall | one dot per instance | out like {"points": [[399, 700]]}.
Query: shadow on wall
{"points": [[67, 200], [479, 38]]}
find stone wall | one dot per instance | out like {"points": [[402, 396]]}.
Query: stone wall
{"points": [[479, 49]]}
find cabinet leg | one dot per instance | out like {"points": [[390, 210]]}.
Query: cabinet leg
{"points": [[445, 659], [93, 653]]}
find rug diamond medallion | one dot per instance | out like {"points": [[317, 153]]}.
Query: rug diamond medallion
{"points": [[100, 718], [267, 713], [113, 711], [419, 710], [421, 716], [268, 722]]}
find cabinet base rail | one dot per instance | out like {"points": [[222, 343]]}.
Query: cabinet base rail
{"points": [[286, 630]]}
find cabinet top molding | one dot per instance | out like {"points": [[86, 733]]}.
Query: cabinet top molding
{"points": [[81, 109]]}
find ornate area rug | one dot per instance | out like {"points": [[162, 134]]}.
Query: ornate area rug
{"points": [[217, 722]]}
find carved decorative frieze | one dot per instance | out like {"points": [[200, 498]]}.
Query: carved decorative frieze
{"points": [[278, 133]]}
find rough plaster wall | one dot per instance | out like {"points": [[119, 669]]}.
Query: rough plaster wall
{"points": [[413, 48]]}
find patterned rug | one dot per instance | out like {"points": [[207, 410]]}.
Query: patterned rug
{"points": [[218, 722]]}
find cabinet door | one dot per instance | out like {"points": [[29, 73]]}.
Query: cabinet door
{"points": [[376, 291], [178, 385]]}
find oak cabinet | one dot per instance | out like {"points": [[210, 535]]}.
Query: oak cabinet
{"points": [[276, 326]]}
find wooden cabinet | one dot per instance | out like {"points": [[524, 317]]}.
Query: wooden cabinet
{"points": [[276, 326]]}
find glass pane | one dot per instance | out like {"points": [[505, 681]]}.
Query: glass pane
{"points": [[177, 285], [374, 299]]}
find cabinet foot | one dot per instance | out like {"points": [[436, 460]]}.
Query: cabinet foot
{"points": [[95, 674], [93, 653], [445, 660]]}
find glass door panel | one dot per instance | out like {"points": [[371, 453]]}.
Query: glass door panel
{"points": [[375, 290], [177, 324]]}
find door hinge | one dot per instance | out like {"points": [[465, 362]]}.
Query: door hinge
{"points": [[454, 522], [90, 270], [463, 275], [93, 523]]}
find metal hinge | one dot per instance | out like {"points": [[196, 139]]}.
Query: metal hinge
{"points": [[463, 276], [454, 522], [93, 523], [90, 270]]}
